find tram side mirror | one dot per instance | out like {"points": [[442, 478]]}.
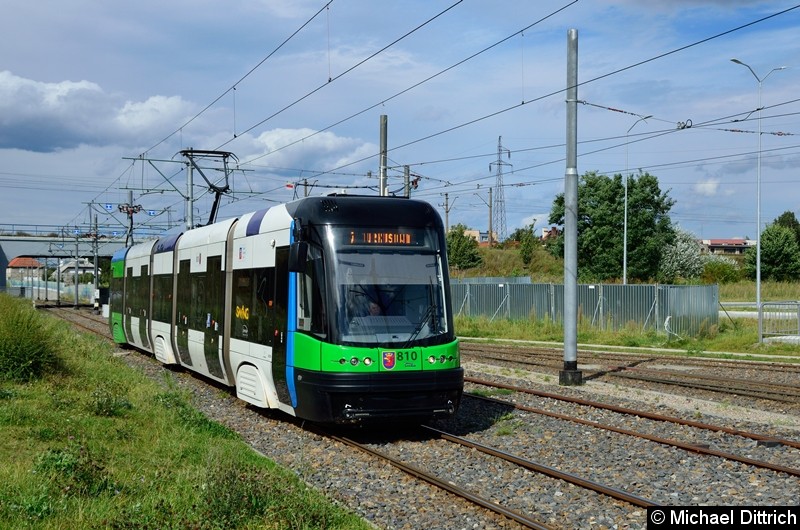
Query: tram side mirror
{"points": [[297, 230], [298, 252]]}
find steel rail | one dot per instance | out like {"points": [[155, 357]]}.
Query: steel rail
{"points": [[657, 439], [544, 352], [788, 394], [640, 413], [782, 393], [432, 479], [547, 470]]}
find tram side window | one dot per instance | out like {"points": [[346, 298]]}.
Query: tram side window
{"points": [[242, 305], [264, 304], [214, 283], [137, 292], [253, 305], [197, 310], [206, 288], [162, 297], [310, 295], [116, 294]]}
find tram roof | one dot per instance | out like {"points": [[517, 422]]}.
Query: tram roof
{"points": [[364, 210]]}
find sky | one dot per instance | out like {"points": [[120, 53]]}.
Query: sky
{"points": [[98, 99]]}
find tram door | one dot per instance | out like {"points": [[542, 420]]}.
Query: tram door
{"points": [[130, 294], [279, 324], [183, 312], [143, 299], [213, 285]]}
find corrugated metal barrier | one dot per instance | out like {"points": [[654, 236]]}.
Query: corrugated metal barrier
{"points": [[678, 310]]}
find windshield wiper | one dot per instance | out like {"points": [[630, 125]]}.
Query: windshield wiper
{"points": [[418, 328], [430, 315], [351, 263]]}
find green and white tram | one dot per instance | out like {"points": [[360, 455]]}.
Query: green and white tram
{"points": [[332, 309]]}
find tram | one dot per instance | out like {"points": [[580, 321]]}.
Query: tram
{"points": [[335, 309]]}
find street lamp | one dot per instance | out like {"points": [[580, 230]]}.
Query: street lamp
{"points": [[758, 195], [625, 221]]}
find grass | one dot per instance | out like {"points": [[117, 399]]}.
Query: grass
{"points": [[91, 443], [745, 291], [730, 336], [506, 424]]}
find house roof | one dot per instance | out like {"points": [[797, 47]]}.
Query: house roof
{"points": [[729, 242], [24, 263]]}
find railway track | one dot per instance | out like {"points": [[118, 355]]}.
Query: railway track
{"points": [[400, 452], [90, 323], [81, 318], [437, 481], [544, 472], [692, 374], [769, 391], [657, 417], [554, 357]]}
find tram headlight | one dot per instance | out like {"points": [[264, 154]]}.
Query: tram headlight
{"points": [[432, 359], [354, 361], [442, 359], [367, 361]]}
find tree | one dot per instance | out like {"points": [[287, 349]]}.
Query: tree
{"points": [[600, 226], [527, 244], [780, 255], [681, 259], [462, 250], [788, 220]]}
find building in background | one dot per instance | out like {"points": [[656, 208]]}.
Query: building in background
{"points": [[22, 269]]}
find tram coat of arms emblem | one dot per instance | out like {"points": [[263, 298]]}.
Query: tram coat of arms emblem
{"points": [[389, 360]]}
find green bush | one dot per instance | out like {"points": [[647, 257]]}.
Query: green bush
{"points": [[720, 271], [27, 350]]}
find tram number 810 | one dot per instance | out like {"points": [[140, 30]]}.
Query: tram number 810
{"points": [[406, 356]]}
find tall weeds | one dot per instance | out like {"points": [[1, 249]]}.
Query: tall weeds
{"points": [[27, 350]]}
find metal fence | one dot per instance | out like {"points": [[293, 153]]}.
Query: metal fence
{"points": [[49, 291], [780, 319], [678, 310]]}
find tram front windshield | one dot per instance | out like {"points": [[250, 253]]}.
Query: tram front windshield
{"points": [[389, 296]]}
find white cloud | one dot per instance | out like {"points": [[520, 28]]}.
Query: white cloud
{"points": [[88, 86], [309, 152], [289, 10], [41, 117], [707, 188], [157, 112], [538, 220], [45, 117]]}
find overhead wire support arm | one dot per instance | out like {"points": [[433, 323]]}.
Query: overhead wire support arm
{"points": [[165, 178], [191, 154]]}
